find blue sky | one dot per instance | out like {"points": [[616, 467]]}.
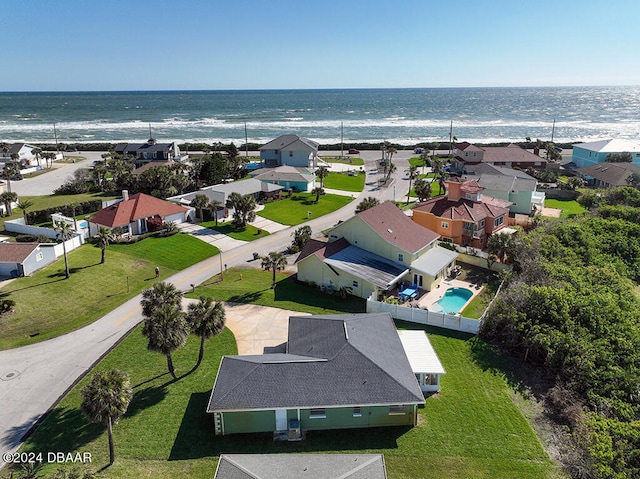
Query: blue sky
{"points": [[71, 45]]}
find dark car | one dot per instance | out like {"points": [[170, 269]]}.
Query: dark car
{"points": [[353, 151]]}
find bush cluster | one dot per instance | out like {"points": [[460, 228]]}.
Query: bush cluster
{"points": [[44, 216], [29, 238]]}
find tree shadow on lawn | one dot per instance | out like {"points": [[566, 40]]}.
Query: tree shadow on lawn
{"points": [[196, 437], [250, 297]]}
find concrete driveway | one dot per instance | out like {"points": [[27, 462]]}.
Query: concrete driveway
{"points": [[220, 241]]}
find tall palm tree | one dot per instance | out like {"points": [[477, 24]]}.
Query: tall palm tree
{"points": [[205, 319], [158, 295], [317, 191], [424, 157], [322, 173], [367, 203], [65, 231], [105, 400], [167, 331], [104, 236], [274, 261], [390, 170], [499, 244], [412, 172], [37, 152], [214, 204], [200, 202], [8, 197], [24, 205]]}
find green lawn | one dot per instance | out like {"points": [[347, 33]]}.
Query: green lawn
{"points": [[569, 207], [249, 233], [293, 211], [490, 285], [255, 287], [48, 305], [348, 160], [342, 181], [471, 429]]}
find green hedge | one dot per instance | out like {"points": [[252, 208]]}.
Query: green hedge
{"points": [[44, 216]]}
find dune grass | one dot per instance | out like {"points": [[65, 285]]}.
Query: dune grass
{"points": [[470, 429], [342, 181], [293, 211], [48, 305]]}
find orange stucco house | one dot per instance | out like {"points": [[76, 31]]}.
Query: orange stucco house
{"points": [[463, 216]]}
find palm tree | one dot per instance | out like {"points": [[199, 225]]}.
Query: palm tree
{"points": [[499, 244], [105, 400], [159, 294], [214, 204], [8, 198], [200, 201], [24, 205], [322, 173], [412, 172], [367, 203], [104, 236], [65, 231], [166, 330], [317, 191], [390, 170], [205, 319], [425, 159], [37, 152], [422, 189], [274, 261]]}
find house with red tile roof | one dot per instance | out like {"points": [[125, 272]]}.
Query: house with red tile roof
{"points": [[137, 214], [373, 251], [511, 156], [463, 216]]}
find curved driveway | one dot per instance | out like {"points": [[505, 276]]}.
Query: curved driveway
{"points": [[34, 378]]}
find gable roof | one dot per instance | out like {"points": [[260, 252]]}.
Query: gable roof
{"points": [[296, 466], [610, 146], [366, 265], [354, 360], [284, 141], [489, 169], [615, 174], [322, 249], [464, 209], [139, 206], [285, 173], [16, 252], [153, 164], [499, 154], [391, 224]]}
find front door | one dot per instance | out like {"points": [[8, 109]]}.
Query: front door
{"points": [[281, 419]]}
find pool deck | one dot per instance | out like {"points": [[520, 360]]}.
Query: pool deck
{"points": [[427, 299]]}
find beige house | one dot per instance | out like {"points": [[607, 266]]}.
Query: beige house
{"points": [[375, 251]]}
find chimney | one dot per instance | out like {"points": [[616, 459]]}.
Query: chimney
{"points": [[125, 195], [536, 151]]}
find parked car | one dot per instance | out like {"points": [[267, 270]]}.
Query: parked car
{"points": [[353, 151]]}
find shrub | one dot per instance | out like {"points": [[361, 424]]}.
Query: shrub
{"points": [[29, 238]]}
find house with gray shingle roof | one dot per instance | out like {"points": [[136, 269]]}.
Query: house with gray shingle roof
{"points": [[23, 259], [296, 466], [151, 151], [608, 175], [373, 251], [465, 154], [295, 178], [337, 372], [290, 150]]}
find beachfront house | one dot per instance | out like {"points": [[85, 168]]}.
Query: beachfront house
{"points": [[137, 215], [23, 259], [290, 150], [609, 175], [24, 154], [510, 156], [585, 154], [463, 216], [374, 252], [511, 185], [334, 372], [151, 151]]}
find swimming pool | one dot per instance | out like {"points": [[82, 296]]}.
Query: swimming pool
{"points": [[453, 300]]}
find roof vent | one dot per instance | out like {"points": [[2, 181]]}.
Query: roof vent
{"points": [[389, 230]]}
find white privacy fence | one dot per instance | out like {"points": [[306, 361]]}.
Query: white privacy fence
{"points": [[422, 316]]}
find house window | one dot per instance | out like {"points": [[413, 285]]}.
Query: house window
{"points": [[444, 224], [400, 257], [318, 413], [417, 279], [357, 411], [498, 221], [444, 239], [396, 410], [354, 284], [290, 153], [481, 223], [39, 256]]}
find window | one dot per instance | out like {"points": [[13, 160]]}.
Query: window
{"points": [[444, 239], [417, 279], [498, 221], [400, 257], [444, 224], [481, 223], [357, 411], [396, 410], [39, 256], [290, 153], [317, 413], [354, 284]]}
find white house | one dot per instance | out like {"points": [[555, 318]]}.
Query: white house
{"points": [[290, 150]]}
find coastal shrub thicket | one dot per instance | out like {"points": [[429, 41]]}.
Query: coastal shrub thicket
{"points": [[83, 208], [573, 309]]}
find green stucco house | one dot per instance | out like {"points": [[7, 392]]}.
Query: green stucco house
{"points": [[336, 372]]}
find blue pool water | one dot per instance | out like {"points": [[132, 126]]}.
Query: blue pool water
{"points": [[452, 301]]}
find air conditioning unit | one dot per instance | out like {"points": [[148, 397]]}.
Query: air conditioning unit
{"points": [[295, 434]]}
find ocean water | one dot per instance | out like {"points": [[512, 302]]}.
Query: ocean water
{"points": [[403, 116]]}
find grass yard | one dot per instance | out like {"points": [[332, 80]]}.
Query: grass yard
{"points": [[293, 211], [490, 285], [255, 287], [346, 160], [569, 207], [342, 181], [471, 429], [249, 233], [48, 305]]}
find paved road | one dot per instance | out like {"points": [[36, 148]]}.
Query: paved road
{"points": [[34, 378]]}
